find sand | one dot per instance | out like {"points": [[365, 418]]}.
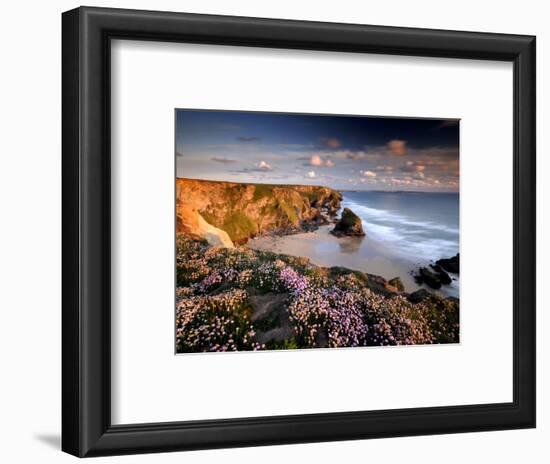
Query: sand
{"points": [[362, 254]]}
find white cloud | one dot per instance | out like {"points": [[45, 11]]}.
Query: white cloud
{"points": [[368, 173], [264, 166], [316, 160], [410, 166], [311, 174]]}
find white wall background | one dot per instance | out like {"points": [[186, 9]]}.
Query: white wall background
{"points": [[30, 244]]}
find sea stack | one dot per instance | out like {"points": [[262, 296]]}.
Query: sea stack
{"points": [[349, 225]]}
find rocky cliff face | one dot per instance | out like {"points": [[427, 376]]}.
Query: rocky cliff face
{"points": [[241, 211]]}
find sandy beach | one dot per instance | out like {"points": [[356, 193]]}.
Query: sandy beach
{"points": [[364, 254]]}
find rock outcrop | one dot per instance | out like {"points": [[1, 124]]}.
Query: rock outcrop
{"points": [[237, 211], [450, 264], [191, 223], [419, 296], [428, 277], [348, 225], [397, 284], [436, 275]]}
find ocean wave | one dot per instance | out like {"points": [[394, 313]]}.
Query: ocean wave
{"points": [[366, 213], [413, 240]]}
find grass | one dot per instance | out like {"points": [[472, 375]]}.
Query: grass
{"points": [[239, 226], [262, 191], [289, 211]]}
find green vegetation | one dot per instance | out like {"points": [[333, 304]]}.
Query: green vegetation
{"points": [[289, 211], [349, 218], [262, 191], [210, 218], [245, 210], [239, 226]]}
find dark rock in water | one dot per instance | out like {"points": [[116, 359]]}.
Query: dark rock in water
{"points": [[348, 225], [429, 277], [419, 295], [397, 284], [443, 276], [435, 275], [450, 264]]}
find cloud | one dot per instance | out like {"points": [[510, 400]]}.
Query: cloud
{"points": [[311, 174], [351, 155], [264, 166], [383, 169], [248, 139], [398, 147], [316, 160], [223, 160], [331, 142], [397, 181], [368, 173], [368, 153], [410, 166]]}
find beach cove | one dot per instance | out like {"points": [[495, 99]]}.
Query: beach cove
{"points": [[404, 231]]}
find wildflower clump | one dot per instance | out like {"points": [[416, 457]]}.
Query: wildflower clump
{"points": [[218, 294]]}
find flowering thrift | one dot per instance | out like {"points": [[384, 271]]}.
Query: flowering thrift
{"points": [[214, 323], [292, 281], [326, 307]]}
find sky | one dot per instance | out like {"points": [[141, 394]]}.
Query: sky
{"points": [[341, 152]]}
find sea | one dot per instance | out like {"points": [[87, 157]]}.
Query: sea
{"points": [[404, 230], [415, 225]]}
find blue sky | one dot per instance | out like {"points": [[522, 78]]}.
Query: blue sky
{"points": [[342, 152]]}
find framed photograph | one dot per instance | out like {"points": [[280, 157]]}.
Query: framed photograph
{"points": [[285, 231]]}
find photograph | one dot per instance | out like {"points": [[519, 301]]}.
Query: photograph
{"points": [[315, 231], [261, 232]]}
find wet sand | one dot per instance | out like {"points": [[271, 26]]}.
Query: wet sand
{"points": [[359, 253]]}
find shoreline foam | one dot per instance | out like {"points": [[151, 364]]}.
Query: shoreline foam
{"points": [[360, 254]]}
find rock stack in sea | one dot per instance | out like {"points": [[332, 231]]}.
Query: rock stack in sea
{"points": [[348, 225]]}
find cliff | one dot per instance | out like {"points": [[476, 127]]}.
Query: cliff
{"points": [[227, 212]]}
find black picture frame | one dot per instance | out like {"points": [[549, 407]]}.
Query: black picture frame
{"points": [[86, 291]]}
